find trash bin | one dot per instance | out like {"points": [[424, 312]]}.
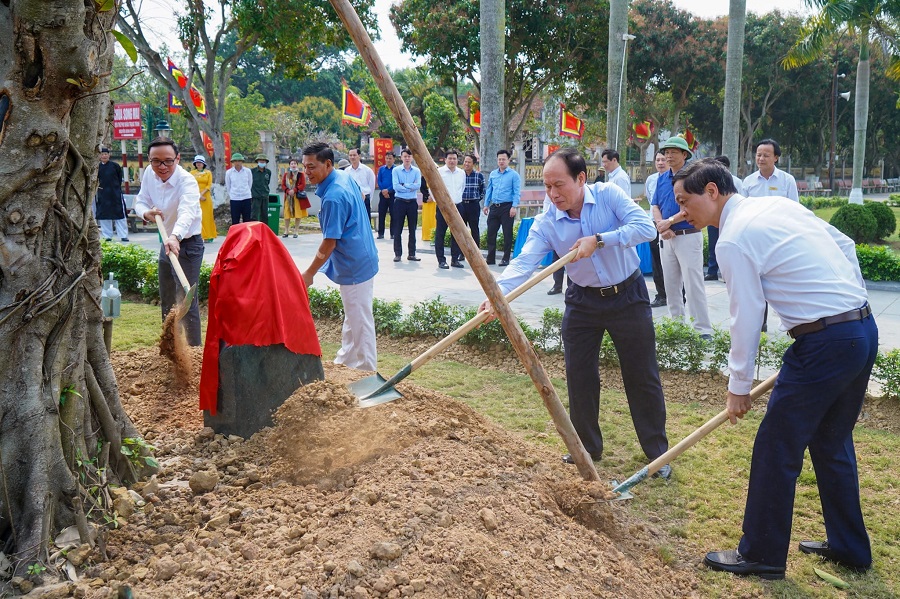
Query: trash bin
{"points": [[273, 215]]}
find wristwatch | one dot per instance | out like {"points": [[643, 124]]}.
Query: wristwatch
{"points": [[177, 237], [600, 242]]}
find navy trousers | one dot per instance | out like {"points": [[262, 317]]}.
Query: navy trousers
{"points": [[816, 400], [498, 216], [440, 231], [404, 211], [629, 320], [659, 280], [384, 207], [240, 211]]}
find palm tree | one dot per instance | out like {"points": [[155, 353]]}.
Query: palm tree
{"points": [[866, 21], [734, 62]]}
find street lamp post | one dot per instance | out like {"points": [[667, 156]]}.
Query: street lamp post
{"points": [[834, 96], [163, 129], [626, 37]]}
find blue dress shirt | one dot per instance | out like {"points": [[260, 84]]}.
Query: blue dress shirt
{"points": [[386, 178], [607, 210], [503, 187], [664, 197], [343, 218], [406, 182]]}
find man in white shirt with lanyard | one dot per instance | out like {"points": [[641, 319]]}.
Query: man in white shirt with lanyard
{"points": [[775, 250], [171, 192], [769, 180]]}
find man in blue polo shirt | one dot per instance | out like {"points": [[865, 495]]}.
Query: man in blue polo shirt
{"points": [[386, 191], [501, 201], [346, 255], [407, 180], [681, 245]]}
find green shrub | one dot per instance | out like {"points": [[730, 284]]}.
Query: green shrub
{"points": [[771, 350], [815, 202], [887, 372], [878, 263], [325, 303], [432, 317], [608, 354], [128, 262], [549, 335], [388, 315], [855, 222], [884, 218], [718, 350], [150, 287], [678, 346]]}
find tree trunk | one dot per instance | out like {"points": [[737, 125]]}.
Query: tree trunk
{"points": [[737, 17], [862, 118], [615, 81], [60, 402], [493, 86]]}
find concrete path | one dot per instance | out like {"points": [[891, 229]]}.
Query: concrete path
{"points": [[413, 282]]}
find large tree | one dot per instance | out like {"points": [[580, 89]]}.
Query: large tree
{"points": [[865, 21], [216, 35], [616, 124], [61, 421], [549, 46], [734, 61]]}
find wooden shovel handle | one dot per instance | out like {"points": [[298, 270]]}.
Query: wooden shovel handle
{"points": [[704, 430], [176, 265], [482, 316]]}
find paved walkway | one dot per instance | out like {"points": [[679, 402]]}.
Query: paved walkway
{"points": [[413, 282]]}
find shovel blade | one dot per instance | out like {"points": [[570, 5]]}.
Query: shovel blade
{"points": [[621, 496], [364, 387], [186, 303]]}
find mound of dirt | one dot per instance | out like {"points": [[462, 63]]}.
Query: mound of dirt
{"points": [[419, 497]]}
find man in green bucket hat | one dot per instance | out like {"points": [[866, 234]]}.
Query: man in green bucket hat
{"points": [[680, 244], [260, 190]]}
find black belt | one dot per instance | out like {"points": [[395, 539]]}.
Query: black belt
{"points": [[406, 199], [470, 201], [685, 231], [612, 290], [822, 323]]}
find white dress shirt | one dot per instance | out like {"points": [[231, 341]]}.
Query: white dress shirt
{"points": [[364, 177], [455, 181], [650, 185], [178, 199], [774, 250], [780, 184], [620, 177], [238, 184]]}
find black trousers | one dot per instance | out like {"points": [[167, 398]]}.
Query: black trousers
{"points": [[628, 319], [171, 293], [712, 266], [384, 208], [470, 210], [240, 210], [440, 231], [498, 215], [658, 280], [367, 200], [404, 212]]}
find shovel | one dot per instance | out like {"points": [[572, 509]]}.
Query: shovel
{"points": [[373, 390], [189, 291], [623, 489]]}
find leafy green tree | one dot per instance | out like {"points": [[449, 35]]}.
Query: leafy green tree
{"points": [[443, 129], [550, 45], [245, 115], [865, 21], [322, 111]]}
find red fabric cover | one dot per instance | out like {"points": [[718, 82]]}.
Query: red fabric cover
{"points": [[256, 297]]}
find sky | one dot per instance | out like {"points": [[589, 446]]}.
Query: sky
{"points": [[157, 17]]}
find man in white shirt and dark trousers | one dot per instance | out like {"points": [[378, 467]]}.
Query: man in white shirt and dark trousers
{"points": [[171, 192], [455, 181], [775, 250], [659, 280], [238, 183], [769, 180], [364, 177], [615, 174]]}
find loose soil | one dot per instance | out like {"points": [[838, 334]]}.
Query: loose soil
{"points": [[420, 497], [173, 346]]}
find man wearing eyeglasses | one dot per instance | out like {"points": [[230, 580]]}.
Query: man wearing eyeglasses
{"points": [[171, 192]]}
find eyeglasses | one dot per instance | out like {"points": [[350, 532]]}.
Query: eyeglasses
{"points": [[158, 163]]}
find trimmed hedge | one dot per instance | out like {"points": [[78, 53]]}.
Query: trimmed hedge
{"points": [[857, 223], [884, 219], [137, 270], [878, 263]]}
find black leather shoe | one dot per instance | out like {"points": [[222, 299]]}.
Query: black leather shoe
{"points": [[456, 264], [380, 237], [733, 562], [711, 278], [822, 549], [396, 258], [659, 302], [504, 263], [413, 258], [489, 262], [568, 459], [444, 266]]}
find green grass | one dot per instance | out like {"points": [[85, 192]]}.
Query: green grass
{"points": [[139, 326], [702, 509]]}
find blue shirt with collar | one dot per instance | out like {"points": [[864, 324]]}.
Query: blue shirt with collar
{"points": [[503, 187], [406, 182], [607, 210], [343, 218], [386, 178], [664, 197]]}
